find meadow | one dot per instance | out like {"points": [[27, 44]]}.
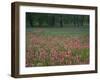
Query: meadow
{"points": [[57, 46]]}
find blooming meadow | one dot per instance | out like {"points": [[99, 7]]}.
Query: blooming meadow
{"points": [[57, 46]]}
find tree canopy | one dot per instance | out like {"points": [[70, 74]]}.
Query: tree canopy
{"points": [[55, 20]]}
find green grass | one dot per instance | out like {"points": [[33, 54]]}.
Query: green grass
{"points": [[71, 32]]}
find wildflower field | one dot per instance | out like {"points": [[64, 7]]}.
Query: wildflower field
{"points": [[57, 46]]}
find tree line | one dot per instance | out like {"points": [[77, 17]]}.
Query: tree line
{"points": [[56, 20]]}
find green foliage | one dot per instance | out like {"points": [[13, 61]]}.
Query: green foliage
{"points": [[83, 54], [55, 20]]}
